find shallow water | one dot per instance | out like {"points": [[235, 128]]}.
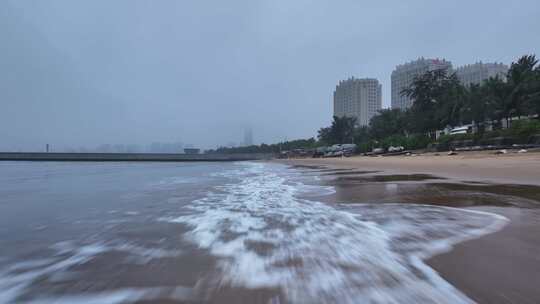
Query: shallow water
{"points": [[214, 232]]}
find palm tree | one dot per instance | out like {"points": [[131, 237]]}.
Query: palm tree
{"points": [[532, 100], [474, 108], [497, 99], [438, 98], [522, 77], [341, 131], [388, 122]]}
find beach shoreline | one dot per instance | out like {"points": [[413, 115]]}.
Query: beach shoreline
{"points": [[481, 166], [500, 267]]}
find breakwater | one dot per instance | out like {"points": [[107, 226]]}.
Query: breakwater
{"points": [[43, 156]]}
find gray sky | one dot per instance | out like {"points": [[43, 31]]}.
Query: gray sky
{"points": [[83, 73]]}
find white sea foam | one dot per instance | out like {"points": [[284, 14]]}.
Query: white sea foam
{"points": [[313, 190], [268, 237]]}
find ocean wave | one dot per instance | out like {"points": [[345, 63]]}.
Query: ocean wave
{"points": [[266, 236]]}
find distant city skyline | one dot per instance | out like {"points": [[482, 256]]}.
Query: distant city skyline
{"points": [[155, 147]]}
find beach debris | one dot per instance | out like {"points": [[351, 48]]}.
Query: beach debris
{"points": [[522, 151], [452, 153], [503, 151]]}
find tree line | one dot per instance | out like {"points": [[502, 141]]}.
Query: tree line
{"points": [[270, 148]]}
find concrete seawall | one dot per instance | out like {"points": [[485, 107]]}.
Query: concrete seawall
{"points": [[41, 156]]}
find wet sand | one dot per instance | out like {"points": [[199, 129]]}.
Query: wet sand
{"points": [[503, 267], [485, 166]]}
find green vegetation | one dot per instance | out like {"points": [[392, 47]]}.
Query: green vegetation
{"points": [[341, 131], [520, 132], [440, 101], [273, 148]]}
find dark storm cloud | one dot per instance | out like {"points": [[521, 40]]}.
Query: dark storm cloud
{"points": [[76, 73]]}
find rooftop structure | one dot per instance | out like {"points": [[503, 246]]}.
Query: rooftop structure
{"points": [[478, 72]]}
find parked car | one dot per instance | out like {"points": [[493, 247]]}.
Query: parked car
{"points": [[336, 150], [320, 152], [461, 130], [348, 149], [378, 151], [395, 149]]}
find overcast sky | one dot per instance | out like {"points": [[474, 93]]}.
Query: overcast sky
{"points": [[84, 73]]}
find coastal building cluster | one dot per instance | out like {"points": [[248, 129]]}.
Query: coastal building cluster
{"points": [[362, 97]]}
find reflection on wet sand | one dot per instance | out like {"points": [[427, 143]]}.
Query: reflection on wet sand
{"points": [[387, 178], [372, 186], [348, 172], [498, 268]]}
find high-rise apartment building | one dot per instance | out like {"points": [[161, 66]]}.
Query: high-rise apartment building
{"points": [[404, 74], [478, 72], [360, 98], [248, 136]]}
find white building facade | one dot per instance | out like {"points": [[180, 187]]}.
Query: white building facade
{"points": [[360, 98], [404, 74], [478, 72], [248, 136]]}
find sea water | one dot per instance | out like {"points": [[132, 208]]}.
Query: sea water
{"points": [[214, 232]]}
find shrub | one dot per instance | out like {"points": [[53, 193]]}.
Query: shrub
{"points": [[521, 130], [365, 147], [417, 142], [411, 142], [443, 142], [394, 140]]}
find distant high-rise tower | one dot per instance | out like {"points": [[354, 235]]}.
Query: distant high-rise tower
{"points": [[478, 72], [404, 74], [248, 137], [360, 98]]}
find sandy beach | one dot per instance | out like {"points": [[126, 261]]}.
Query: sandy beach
{"points": [[513, 168], [503, 267]]}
